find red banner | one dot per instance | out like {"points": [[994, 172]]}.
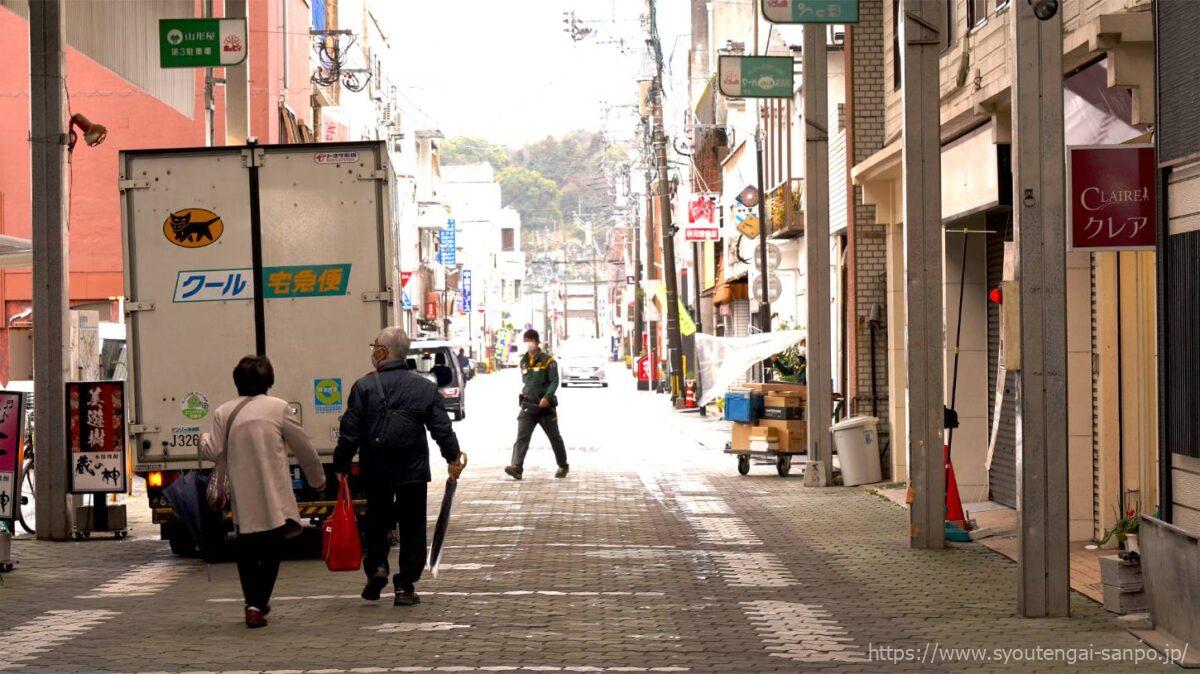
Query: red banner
{"points": [[1112, 198]]}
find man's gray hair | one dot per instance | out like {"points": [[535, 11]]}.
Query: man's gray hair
{"points": [[395, 340]]}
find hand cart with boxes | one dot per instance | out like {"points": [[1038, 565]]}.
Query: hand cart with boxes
{"points": [[768, 423]]}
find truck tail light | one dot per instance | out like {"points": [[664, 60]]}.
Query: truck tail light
{"points": [[160, 479], [451, 392]]}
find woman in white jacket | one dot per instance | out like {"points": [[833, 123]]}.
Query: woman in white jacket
{"points": [[255, 432]]}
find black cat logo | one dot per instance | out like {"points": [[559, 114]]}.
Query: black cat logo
{"points": [[193, 227]]}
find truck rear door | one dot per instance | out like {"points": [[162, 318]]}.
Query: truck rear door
{"points": [[186, 221]]}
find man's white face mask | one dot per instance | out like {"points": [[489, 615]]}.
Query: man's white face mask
{"points": [[378, 355], [530, 346]]}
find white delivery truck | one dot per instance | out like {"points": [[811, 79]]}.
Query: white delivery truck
{"points": [[280, 250]]}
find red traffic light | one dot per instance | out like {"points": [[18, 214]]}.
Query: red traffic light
{"points": [[996, 295]]}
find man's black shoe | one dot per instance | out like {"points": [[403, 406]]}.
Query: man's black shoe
{"points": [[374, 586], [562, 471], [514, 472], [406, 598]]}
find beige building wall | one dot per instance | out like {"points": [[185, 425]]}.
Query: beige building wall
{"points": [[970, 447]]}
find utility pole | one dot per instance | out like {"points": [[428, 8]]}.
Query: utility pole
{"points": [[210, 122], [48, 164], [1043, 565], [674, 342], [920, 35], [237, 85], [816, 232], [636, 347], [652, 270]]}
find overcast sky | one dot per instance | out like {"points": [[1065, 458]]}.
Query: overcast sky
{"points": [[508, 72]]}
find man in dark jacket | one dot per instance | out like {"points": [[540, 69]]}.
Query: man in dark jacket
{"points": [[539, 376], [386, 417]]}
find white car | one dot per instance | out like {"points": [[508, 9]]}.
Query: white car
{"points": [[583, 366]]}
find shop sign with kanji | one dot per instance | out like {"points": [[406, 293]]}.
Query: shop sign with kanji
{"points": [[12, 417], [218, 285], [96, 437]]}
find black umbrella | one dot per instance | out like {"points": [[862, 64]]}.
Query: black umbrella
{"points": [[443, 522]]}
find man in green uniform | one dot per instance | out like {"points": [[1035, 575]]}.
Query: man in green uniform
{"points": [[539, 373]]}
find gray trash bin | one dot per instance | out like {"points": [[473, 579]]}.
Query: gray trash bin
{"points": [[857, 444]]}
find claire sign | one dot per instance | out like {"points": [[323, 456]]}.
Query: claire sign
{"points": [[1112, 198], [96, 436]]}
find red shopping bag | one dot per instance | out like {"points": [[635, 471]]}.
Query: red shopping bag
{"points": [[341, 546]]}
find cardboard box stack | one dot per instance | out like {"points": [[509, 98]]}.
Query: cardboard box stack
{"points": [[782, 426]]}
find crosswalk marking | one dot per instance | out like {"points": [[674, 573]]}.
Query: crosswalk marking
{"points": [[25, 641]]}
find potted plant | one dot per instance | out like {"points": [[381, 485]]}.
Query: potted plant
{"points": [[1125, 530]]}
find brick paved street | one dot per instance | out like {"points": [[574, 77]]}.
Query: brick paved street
{"points": [[654, 555]]}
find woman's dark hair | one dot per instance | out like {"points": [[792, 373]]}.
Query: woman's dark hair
{"points": [[253, 376]]}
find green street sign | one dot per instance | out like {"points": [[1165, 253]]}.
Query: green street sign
{"points": [[201, 43], [756, 76], [810, 11]]}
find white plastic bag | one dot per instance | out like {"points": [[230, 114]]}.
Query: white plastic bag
{"points": [[724, 360]]}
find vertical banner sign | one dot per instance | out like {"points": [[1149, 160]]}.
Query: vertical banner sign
{"points": [[447, 243], [466, 291], [810, 11], [96, 436], [702, 220], [756, 76], [201, 43], [405, 299], [12, 417], [1112, 198]]}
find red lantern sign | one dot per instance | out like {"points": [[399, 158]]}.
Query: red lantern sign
{"points": [[1112, 198]]}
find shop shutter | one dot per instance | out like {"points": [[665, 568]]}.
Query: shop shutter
{"points": [[1002, 474]]}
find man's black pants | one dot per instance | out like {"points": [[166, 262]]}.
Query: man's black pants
{"points": [[528, 420], [390, 504], [258, 556]]}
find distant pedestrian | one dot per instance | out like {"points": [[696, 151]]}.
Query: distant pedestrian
{"points": [[539, 374], [386, 417], [464, 362], [251, 431]]}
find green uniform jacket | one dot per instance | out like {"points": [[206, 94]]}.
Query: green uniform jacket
{"points": [[540, 376]]}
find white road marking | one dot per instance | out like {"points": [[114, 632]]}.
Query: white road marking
{"points": [[450, 593], [723, 531], [25, 641], [141, 581], [752, 569], [801, 632], [448, 668], [703, 505], [465, 567], [515, 527], [395, 628]]}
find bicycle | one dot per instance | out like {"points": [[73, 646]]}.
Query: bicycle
{"points": [[25, 491]]}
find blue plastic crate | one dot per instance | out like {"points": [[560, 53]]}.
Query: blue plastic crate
{"points": [[743, 407]]}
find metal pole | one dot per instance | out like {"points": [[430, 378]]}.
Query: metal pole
{"points": [[764, 230], [816, 235], [921, 28], [1043, 565], [237, 86], [210, 131], [48, 164]]}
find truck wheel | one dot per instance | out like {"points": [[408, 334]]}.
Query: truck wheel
{"points": [[179, 539], [744, 465]]}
